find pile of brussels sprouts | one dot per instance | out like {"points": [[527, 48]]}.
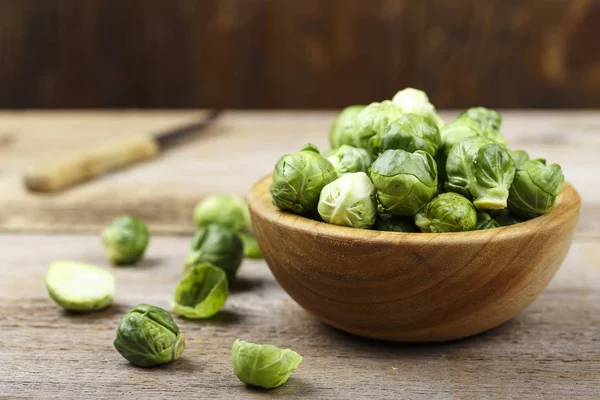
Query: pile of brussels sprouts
{"points": [[396, 166], [147, 335]]}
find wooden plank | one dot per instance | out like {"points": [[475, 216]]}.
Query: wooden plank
{"points": [[297, 54], [550, 351], [229, 157]]}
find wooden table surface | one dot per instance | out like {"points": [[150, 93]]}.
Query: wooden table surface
{"points": [[550, 351]]}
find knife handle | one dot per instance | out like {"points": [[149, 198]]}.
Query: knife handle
{"points": [[83, 166]]}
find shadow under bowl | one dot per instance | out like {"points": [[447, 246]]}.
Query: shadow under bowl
{"points": [[412, 287]]}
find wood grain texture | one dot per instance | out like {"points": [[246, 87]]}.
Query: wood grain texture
{"points": [[550, 351], [83, 166], [303, 54], [412, 287], [228, 157]]}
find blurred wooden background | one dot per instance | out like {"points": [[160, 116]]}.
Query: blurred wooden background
{"points": [[298, 54]]}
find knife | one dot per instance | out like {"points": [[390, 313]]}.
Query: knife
{"points": [[59, 174]]}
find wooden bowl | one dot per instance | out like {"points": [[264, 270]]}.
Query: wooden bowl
{"points": [[412, 287]]}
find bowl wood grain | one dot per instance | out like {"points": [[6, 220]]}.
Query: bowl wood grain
{"points": [[412, 287]]}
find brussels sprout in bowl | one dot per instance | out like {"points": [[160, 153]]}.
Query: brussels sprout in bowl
{"points": [[414, 287]]}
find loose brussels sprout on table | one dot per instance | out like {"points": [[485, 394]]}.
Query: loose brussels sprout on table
{"points": [[349, 159], [409, 132], [349, 201], [448, 212], [458, 176], [535, 188], [147, 336], [298, 180], [77, 286], [230, 211], [404, 181], [251, 248], [219, 246], [201, 292], [263, 365], [481, 169], [125, 240]]}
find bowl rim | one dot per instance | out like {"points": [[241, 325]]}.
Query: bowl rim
{"points": [[259, 202]]}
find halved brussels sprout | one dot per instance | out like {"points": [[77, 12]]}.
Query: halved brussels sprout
{"points": [[201, 292], [147, 336], [404, 181], [349, 159], [416, 101], [298, 180], [125, 240], [410, 132], [230, 211], [535, 188], [373, 120], [251, 248], [349, 201], [490, 122], [504, 217], [478, 167], [485, 221], [219, 246], [448, 212], [519, 157], [77, 286], [387, 222], [344, 128], [263, 365]]}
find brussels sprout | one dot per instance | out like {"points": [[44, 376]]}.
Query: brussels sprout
{"points": [[386, 222], [535, 188], [504, 217], [78, 286], [349, 159], [485, 221], [448, 212], [298, 180], [230, 211], [457, 130], [219, 246], [519, 157], [201, 292], [416, 101], [451, 134], [344, 128], [410, 132], [349, 201], [490, 122], [263, 364], [404, 181], [125, 240], [251, 248], [147, 336], [479, 168], [310, 147], [373, 120]]}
